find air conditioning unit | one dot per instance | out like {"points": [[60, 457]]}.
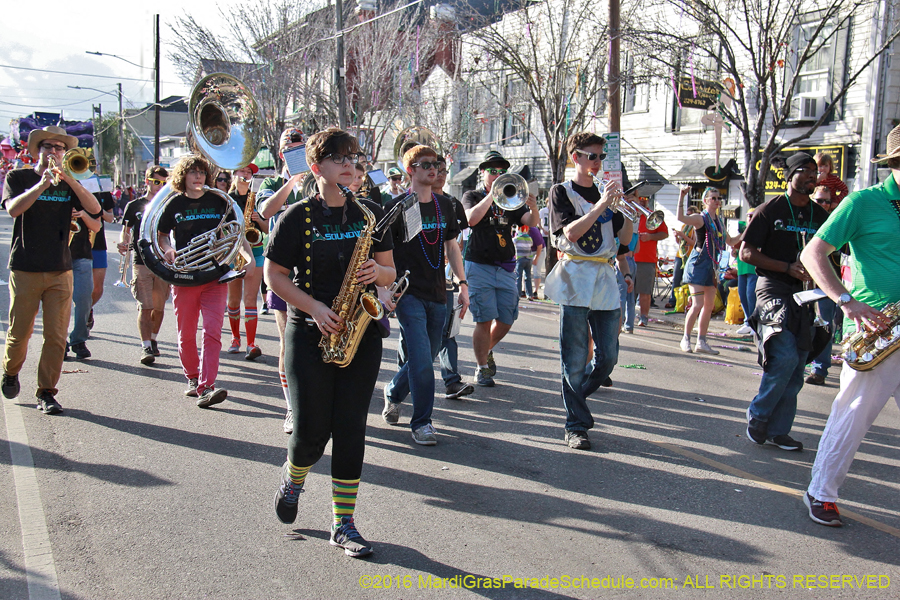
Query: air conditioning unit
{"points": [[808, 108]]}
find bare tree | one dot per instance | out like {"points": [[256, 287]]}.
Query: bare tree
{"points": [[769, 55], [547, 55]]}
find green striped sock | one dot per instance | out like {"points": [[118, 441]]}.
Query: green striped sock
{"points": [[298, 474], [343, 497]]}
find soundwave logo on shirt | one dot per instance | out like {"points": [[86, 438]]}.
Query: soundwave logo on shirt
{"points": [[429, 223], [198, 214], [54, 196], [338, 232]]}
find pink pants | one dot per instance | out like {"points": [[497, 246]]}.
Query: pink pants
{"points": [[208, 299]]}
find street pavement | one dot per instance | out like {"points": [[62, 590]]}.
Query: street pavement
{"points": [[146, 496]]}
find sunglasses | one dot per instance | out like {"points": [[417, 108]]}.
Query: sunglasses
{"points": [[154, 181], [493, 171], [824, 200], [222, 178], [426, 164], [338, 158], [591, 155], [397, 178]]}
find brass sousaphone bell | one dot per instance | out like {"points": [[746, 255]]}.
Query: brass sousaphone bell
{"points": [[225, 123]]}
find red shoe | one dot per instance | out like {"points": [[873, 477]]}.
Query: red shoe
{"points": [[235, 346]]}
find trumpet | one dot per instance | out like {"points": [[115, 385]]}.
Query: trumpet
{"points": [[74, 227], [632, 210], [76, 163], [123, 269], [396, 291]]}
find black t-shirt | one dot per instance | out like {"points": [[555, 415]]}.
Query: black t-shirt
{"points": [[80, 246], [316, 243], [134, 214], [461, 221], [490, 241], [562, 212], [40, 239], [423, 256], [776, 230], [241, 199], [106, 203], [187, 218]]}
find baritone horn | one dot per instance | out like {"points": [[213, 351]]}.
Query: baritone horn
{"points": [[509, 191], [225, 123]]}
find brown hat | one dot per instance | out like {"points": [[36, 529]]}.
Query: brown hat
{"points": [[893, 147], [51, 132]]}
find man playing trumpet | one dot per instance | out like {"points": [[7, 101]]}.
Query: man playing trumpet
{"points": [[41, 199]]}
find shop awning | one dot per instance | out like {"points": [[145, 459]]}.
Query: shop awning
{"points": [[461, 177], [691, 172], [522, 170]]}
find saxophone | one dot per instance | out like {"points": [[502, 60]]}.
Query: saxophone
{"points": [[251, 233], [864, 350], [353, 304]]}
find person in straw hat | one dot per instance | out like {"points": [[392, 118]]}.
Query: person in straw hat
{"points": [[43, 199], [869, 221]]}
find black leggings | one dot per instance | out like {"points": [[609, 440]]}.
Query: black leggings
{"points": [[329, 401]]}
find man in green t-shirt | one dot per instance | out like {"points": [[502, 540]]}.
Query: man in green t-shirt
{"points": [[869, 221]]}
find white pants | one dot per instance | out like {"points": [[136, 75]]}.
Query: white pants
{"points": [[863, 394]]}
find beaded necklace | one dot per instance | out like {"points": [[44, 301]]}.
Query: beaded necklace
{"points": [[712, 236], [439, 238]]}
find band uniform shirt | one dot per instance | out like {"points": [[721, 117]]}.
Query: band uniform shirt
{"points": [[187, 218], [868, 220], [40, 238], [491, 239], [134, 214], [423, 256], [316, 244], [587, 283]]}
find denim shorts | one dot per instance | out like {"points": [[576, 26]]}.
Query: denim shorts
{"points": [[699, 270], [492, 293]]}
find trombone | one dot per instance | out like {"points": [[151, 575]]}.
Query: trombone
{"points": [[509, 191]]}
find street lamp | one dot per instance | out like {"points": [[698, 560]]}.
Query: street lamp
{"points": [[121, 127]]}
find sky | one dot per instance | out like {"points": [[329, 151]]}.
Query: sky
{"points": [[119, 27]]}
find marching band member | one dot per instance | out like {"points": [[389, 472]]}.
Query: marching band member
{"points": [[191, 213], [309, 251], [868, 220], [40, 264], [246, 288], [584, 282]]}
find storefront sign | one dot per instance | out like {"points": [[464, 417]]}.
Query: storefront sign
{"points": [[707, 93], [775, 183]]}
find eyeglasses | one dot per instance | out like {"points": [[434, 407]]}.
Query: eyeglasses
{"points": [[425, 164], [154, 181], [338, 158], [442, 171], [397, 178], [495, 171], [54, 147], [591, 155]]}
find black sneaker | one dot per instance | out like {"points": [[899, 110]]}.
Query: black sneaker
{"points": [[458, 389], [607, 382], [824, 513], [81, 351], [90, 321], [155, 347], [212, 396], [756, 429], [265, 309], [347, 537], [286, 497], [47, 404], [147, 357], [192, 392], [10, 386], [785, 442], [491, 365], [578, 440]]}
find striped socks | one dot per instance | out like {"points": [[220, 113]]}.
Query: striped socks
{"points": [[234, 318], [250, 325], [343, 497], [298, 474], [284, 388]]}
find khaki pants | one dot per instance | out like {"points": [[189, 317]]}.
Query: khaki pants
{"points": [[29, 292]]}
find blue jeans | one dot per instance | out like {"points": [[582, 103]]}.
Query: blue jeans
{"points": [[776, 400], [629, 298], [821, 363], [579, 379], [747, 294], [523, 269], [449, 349], [421, 323], [82, 288]]}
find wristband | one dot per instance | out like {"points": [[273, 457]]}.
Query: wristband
{"points": [[463, 281], [628, 275]]}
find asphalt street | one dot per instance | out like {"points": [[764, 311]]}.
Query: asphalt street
{"points": [[137, 493]]}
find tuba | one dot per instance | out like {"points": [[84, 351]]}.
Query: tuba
{"points": [[226, 125], [509, 191]]}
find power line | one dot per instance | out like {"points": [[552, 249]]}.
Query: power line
{"points": [[51, 105], [116, 77]]}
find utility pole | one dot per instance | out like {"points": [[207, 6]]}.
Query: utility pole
{"points": [[614, 91], [98, 122], [156, 105], [339, 64], [121, 140]]}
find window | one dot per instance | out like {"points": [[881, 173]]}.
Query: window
{"points": [[822, 75], [815, 75], [637, 94], [518, 112]]}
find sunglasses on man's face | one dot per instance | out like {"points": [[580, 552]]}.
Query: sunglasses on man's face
{"points": [[591, 155], [154, 181], [824, 201], [397, 178], [425, 164], [495, 171]]}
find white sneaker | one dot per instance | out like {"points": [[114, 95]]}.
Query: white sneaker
{"points": [[686, 344], [744, 330], [391, 412], [703, 348], [288, 422], [425, 435]]}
